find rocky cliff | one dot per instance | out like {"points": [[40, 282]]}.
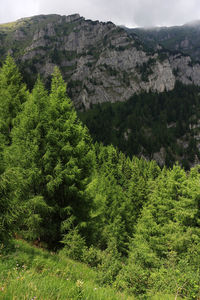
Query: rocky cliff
{"points": [[185, 38], [100, 61]]}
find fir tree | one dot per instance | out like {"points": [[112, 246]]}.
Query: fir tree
{"points": [[54, 152], [12, 94]]}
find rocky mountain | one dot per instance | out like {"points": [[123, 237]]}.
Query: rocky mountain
{"points": [[133, 91], [185, 39], [100, 61]]}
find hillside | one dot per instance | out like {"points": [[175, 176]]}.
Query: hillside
{"points": [[184, 39], [103, 63], [164, 127], [100, 61], [135, 225], [28, 272]]}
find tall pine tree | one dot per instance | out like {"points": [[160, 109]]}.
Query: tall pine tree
{"points": [[12, 94], [54, 152]]}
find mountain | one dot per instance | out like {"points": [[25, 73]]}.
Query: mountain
{"points": [[185, 38], [100, 61], [133, 92], [160, 126]]}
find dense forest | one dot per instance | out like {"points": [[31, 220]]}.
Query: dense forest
{"points": [[134, 223], [149, 122]]}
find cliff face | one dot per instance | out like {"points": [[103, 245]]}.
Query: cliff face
{"points": [[100, 61], [185, 38]]}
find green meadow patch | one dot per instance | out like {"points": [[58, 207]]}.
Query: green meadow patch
{"points": [[31, 273]]}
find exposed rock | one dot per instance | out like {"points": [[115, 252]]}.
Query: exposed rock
{"points": [[160, 156], [72, 18], [126, 134], [19, 34], [186, 72], [100, 61]]}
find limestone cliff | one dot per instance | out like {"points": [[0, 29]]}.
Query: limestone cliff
{"points": [[100, 61]]}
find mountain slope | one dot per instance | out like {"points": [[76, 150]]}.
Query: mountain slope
{"points": [[100, 61], [28, 272], [164, 127], [185, 39]]}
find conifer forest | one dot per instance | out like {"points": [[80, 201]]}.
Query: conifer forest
{"points": [[82, 219]]}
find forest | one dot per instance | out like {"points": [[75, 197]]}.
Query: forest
{"points": [[149, 122], [133, 223]]}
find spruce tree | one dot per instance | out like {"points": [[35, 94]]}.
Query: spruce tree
{"points": [[12, 94], [68, 161], [24, 157], [166, 241], [54, 152]]}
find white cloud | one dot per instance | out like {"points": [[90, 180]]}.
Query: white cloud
{"points": [[12, 10], [127, 12]]}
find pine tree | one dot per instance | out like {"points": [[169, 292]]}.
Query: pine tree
{"points": [[54, 152], [12, 94], [25, 158], [166, 240], [69, 159]]}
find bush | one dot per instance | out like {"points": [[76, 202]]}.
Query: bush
{"points": [[74, 245], [110, 265], [91, 256]]}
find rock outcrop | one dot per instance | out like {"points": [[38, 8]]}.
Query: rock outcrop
{"points": [[100, 61]]}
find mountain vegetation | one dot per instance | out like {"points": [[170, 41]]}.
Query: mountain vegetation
{"points": [[163, 127], [183, 38], [100, 61], [135, 225], [141, 90]]}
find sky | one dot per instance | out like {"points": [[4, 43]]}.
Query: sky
{"points": [[131, 13]]}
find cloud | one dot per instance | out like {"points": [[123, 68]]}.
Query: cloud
{"points": [[170, 12], [12, 10], [127, 12]]}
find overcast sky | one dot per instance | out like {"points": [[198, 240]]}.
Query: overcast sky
{"points": [[132, 13]]}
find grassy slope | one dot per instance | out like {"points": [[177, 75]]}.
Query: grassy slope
{"points": [[31, 273]]}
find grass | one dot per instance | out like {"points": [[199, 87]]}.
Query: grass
{"points": [[31, 273]]}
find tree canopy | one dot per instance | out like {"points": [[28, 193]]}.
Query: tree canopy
{"points": [[136, 223]]}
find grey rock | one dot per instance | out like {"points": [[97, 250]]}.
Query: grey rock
{"points": [[100, 61]]}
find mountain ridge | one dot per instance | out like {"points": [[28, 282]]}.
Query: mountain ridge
{"points": [[100, 61], [104, 64], [182, 38]]}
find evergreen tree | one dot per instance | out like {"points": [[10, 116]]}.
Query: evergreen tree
{"points": [[68, 161], [25, 157], [12, 94], [168, 228], [54, 152]]}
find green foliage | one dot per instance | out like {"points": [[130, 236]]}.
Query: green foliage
{"points": [[119, 190], [10, 211], [74, 244], [25, 157], [29, 272], [92, 256], [110, 264], [53, 151], [12, 94], [150, 122], [166, 242], [136, 224]]}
